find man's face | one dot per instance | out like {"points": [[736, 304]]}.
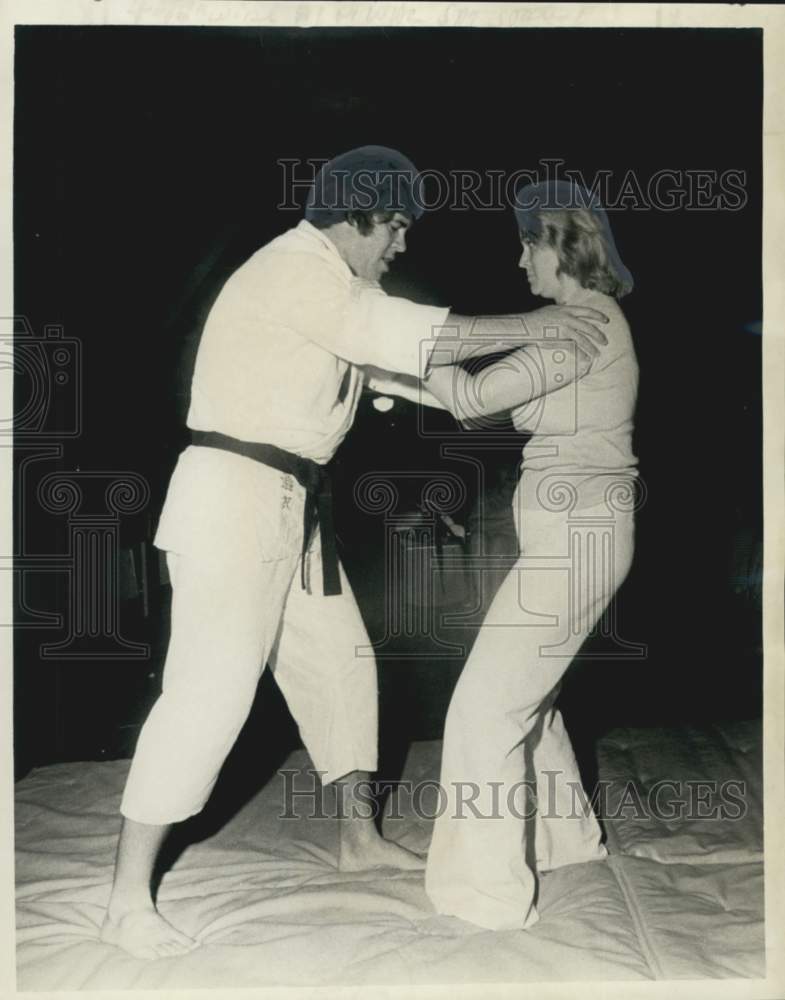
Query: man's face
{"points": [[370, 256]]}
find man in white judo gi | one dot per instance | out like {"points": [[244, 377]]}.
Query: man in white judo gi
{"points": [[247, 524]]}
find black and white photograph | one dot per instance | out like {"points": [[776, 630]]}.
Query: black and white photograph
{"points": [[393, 597]]}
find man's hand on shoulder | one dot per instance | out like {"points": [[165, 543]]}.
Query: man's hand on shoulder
{"points": [[580, 324]]}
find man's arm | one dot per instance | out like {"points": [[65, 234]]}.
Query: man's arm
{"points": [[464, 337], [403, 386], [399, 335], [517, 379]]}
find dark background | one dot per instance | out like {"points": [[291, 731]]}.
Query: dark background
{"points": [[145, 166]]}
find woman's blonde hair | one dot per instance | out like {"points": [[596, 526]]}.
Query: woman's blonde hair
{"points": [[577, 236]]}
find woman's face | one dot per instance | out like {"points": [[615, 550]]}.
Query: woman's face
{"points": [[541, 263]]}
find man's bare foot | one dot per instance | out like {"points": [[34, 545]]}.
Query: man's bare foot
{"points": [[144, 933], [368, 850], [360, 845]]}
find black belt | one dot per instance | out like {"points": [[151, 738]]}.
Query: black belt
{"points": [[314, 478]]}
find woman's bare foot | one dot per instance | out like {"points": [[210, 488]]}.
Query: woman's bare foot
{"points": [[144, 933]]}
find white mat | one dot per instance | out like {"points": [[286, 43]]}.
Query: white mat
{"points": [[265, 900]]}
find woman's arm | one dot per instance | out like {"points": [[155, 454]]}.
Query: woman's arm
{"points": [[518, 378]]}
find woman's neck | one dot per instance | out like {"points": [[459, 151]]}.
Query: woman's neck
{"points": [[570, 291]]}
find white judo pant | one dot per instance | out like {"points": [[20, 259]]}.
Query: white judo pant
{"points": [[504, 737], [232, 529]]}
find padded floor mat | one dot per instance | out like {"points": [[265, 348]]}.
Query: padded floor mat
{"points": [[263, 896]]}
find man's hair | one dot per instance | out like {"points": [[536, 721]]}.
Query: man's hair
{"points": [[364, 180], [579, 241], [365, 221]]}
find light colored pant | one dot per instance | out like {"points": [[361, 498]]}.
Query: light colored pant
{"points": [[233, 542], [502, 728]]}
